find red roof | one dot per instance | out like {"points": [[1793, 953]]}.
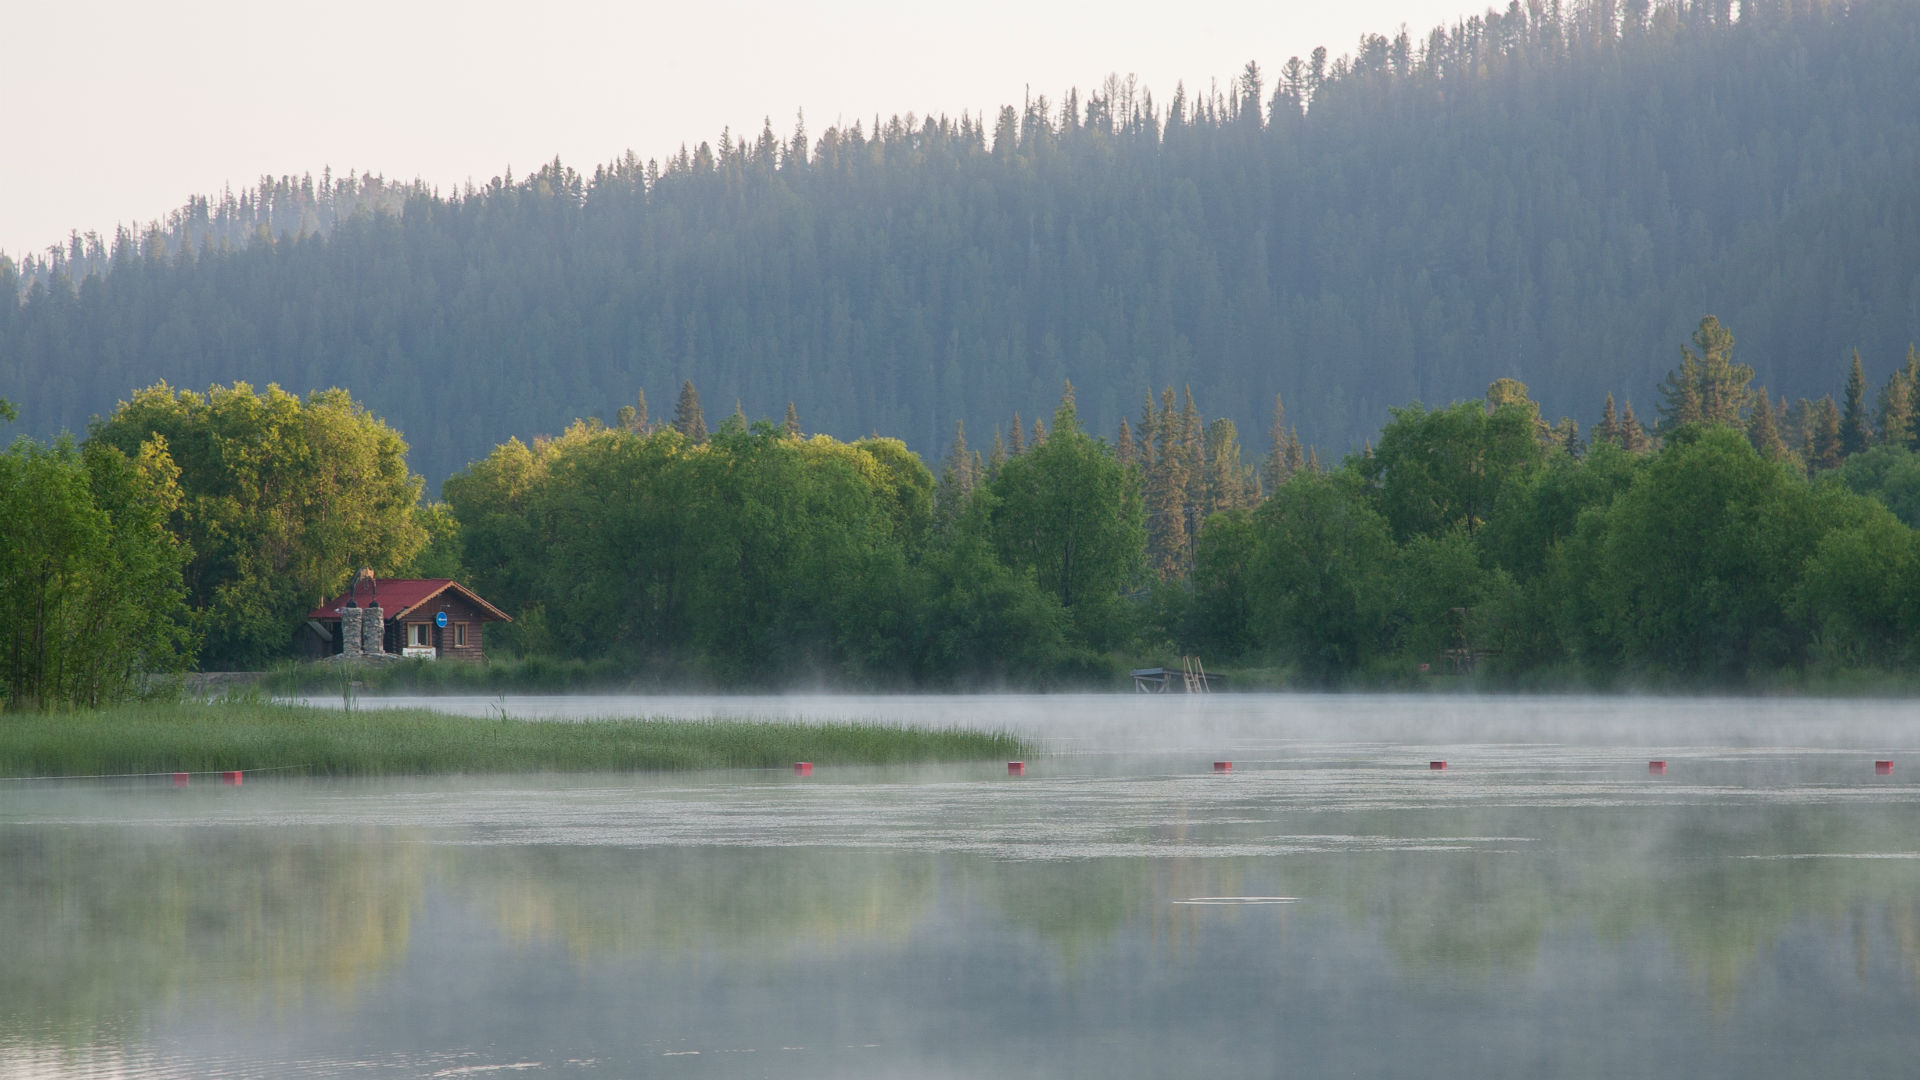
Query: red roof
{"points": [[398, 596]]}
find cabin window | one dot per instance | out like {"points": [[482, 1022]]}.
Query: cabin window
{"points": [[419, 634], [459, 635]]}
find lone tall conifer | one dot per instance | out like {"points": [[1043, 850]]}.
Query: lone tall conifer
{"points": [[688, 420], [1707, 387], [1856, 431]]}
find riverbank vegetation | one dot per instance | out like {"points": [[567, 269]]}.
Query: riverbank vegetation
{"points": [[302, 741], [1735, 543]]}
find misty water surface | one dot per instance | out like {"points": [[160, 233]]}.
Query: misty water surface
{"points": [[1544, 906]]}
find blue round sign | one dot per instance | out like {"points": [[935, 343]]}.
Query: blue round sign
{"points": [[440, 620]]}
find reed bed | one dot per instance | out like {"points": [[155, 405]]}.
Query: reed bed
{"points": [[255, 736]]}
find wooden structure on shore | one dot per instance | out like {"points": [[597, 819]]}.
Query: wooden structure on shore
{"points": [[1189, 678], [417, 618]]}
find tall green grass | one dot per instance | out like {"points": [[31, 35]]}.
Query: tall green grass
{"points": [[167, 738]]}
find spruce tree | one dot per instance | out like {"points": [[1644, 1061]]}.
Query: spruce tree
{"points": [[1633, 438], [1608, 429], [1193, 448], [1230, 484], [1275, 469], [641, 421], [1168, 483], [1763, 429], [688, 420], [1825, 451], [1123, 447], [1856, 431], [791, 426], [958, 475], [1566, 436], [1707, 387], [1149, 431], [1018, 444], [1896, 411]]}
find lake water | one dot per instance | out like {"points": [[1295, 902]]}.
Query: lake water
{"points": [[1545, 906]]}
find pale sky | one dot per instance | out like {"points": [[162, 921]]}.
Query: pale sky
{"points": [[117, 110]]}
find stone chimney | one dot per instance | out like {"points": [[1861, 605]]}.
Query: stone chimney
{"points": [[373, 630], [350, 622]]}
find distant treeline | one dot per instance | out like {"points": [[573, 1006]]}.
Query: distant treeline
{"points": [[1551, 192], [1734, 543]]}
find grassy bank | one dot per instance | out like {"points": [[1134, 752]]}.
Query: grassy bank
{"points": [[380, 742]]}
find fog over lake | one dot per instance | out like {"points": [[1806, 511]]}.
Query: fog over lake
{"points": [[1545, 905]]}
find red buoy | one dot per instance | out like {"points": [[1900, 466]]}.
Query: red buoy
{"points": [[232, 778], [1436, 766], [1016, 768], [803, 768], [1883, 768], [1657, 768], [180, 779], [1223, 766]]}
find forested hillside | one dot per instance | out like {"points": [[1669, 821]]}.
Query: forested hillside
{"points": [[1550, 193]]}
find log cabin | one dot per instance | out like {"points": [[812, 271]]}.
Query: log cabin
{"points": [[423, 618]]}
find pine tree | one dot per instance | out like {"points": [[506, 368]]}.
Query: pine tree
{"points": [[1608, 429], [1018, 445], [1123, 449], [1707, 387], [1566, 436], [1168, 483], [1856, 431], [958, 476], [1193, 449], [791, 426], [1763, 430], [1149, 432], [1633, 438], [1275, 468], [1039, 433], [1896, 411], [1230, 484], [1797, 421], [642, 423], [1825, 451], [998, 456], [688, 420]]}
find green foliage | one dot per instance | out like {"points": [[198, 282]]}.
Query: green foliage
{"points": [[1321, 575], [1891, 475], [1218, 619], [1861, 593], [281, 501], [1441, 595], [1439, 471], [440, 558], [753, 557], [1066, 511], [91, 597], [1700, 557]]}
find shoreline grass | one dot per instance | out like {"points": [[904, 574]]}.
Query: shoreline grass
{"points": [[302, 740]]}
